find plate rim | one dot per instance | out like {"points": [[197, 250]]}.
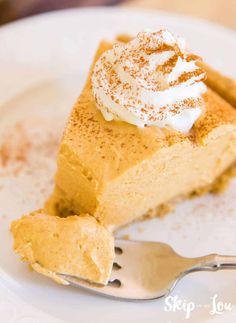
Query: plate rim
{"points": [[118, 9]]}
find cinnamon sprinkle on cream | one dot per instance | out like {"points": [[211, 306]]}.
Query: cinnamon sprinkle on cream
{"points": [[149, 81]]}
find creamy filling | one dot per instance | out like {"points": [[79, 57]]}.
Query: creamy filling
{"points": [[152, 80], [76, 245]]}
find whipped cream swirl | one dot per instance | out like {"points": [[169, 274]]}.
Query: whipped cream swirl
{"points": [[151, 80]]}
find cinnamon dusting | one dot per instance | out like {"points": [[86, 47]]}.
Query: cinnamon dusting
{"points": [[18, 143], [129, 70]]}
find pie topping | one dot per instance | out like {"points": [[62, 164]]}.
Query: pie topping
{"points": [[151, 80]]}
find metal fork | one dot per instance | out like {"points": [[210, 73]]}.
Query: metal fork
{"points": [[149, 270]]}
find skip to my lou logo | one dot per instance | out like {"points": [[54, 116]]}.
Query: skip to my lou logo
{"points": [[215, 306]]}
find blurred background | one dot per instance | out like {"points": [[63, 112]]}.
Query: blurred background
{"points": [[220, 11]]}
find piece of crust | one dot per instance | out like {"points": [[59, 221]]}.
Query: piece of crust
{"points": [[223, 85]]}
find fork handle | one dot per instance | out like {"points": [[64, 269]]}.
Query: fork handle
{"points": [[213, 262]]}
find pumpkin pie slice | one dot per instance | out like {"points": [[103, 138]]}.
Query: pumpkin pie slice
{"points": [[119, 172], [144, 132]]}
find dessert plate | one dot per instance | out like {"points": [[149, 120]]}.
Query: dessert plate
{"points": [[43, 64]]}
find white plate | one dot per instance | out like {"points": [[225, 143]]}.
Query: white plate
{"points": [[43, 64]]}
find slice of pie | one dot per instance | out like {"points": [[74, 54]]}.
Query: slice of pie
{"points": [[145, 131], [119, 172]]}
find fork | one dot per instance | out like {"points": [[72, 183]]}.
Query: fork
{"points": [[145, 270]]}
